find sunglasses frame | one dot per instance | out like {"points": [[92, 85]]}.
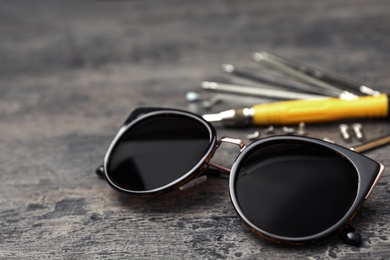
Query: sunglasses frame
{"points": [[365, 185], [199, 169], [367, 179]]}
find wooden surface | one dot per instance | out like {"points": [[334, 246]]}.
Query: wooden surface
{"points": [[71, 71]]}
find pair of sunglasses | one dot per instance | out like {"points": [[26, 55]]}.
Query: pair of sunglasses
{"points": [[288, 189]]}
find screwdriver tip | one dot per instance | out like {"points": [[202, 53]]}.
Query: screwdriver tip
{"points": [[212, 117], [227, 68], [259, 56], [209, 85]]}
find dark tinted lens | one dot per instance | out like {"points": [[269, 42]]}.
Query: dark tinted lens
{"points": [[295, 189], [157, 151]]}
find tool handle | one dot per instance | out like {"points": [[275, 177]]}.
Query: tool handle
{"points": [[320, 110]]}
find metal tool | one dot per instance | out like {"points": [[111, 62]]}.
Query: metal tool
{"points": [[308, 111], [328, 77], [257, 91], [256, 135], [269, 60], [288, 130], [269, 130], [358, 131], [280, 81], [344, 130], [302, 128], [192, 96], [372, 144]]}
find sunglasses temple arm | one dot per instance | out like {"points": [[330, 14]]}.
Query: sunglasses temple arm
{"points": [[212, 167], [371, 144], [220, 169]]}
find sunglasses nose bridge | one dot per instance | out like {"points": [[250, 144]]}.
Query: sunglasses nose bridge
{"points": [[229, 140]]}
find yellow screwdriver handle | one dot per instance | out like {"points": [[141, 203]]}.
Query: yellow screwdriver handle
{"points": [[320, 110]]}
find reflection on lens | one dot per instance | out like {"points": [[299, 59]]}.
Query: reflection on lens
{"points": [[295, 189], [157, 151]]}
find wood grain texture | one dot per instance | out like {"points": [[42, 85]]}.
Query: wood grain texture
{"points": [[71, 71]]}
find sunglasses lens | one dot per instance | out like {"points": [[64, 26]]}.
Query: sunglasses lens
{"points": [[157, 151], [294, 189]]}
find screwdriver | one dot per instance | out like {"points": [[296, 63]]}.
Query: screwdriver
{"points": [[308, 111], [276, 80], [270, 60], [318, 74]]}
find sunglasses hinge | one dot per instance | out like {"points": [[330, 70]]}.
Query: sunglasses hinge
{"points": [[231, 140]]}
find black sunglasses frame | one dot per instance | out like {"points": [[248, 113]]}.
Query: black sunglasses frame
{"points": [[362, 165], [199, 169]]}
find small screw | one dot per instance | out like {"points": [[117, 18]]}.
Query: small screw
{"points": [[358, 130], [269, 130], [302, 129], [253, 136], [288, 130], [344, 130], [192, 96]]}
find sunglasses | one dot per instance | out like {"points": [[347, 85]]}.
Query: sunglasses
{"points": [[288, 189]]}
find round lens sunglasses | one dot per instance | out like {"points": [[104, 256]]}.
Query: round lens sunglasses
{"points": [[287, 189]]}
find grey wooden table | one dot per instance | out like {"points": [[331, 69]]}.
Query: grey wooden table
{"points": [[71, 71]]}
